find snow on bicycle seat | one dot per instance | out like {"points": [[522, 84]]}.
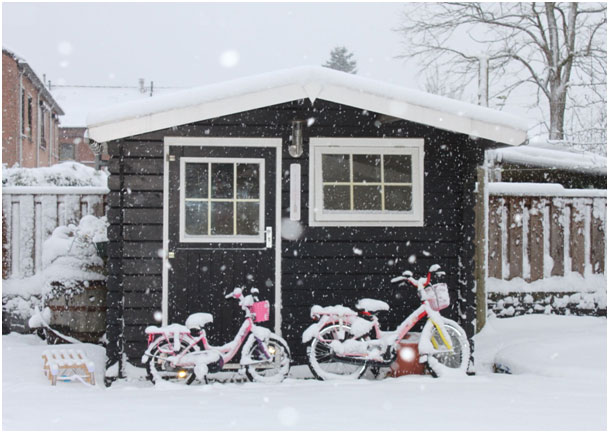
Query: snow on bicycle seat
{"points": [[335, 310], [372, 305], [169, 329], [198, 320]]}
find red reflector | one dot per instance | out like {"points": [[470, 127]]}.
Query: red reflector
{"points": [[365, 313]]}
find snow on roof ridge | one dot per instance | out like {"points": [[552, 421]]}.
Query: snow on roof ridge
{"points": [[312, 79], [551, 154]]}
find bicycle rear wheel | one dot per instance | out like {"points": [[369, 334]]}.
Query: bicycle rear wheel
{"points": [[160, 369], [321, 358]]}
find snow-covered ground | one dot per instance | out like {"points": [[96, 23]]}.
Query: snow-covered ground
{"points": [[559, 382]]}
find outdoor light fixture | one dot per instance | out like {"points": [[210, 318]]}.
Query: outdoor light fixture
{"points": [[182, 374], [295, 149]]}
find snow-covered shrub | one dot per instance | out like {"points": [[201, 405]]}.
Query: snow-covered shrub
{"points": [[63, 174], [70, 262], [69, 256]]}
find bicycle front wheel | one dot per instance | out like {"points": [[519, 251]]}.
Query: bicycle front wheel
{"points": [[267, 360], [444, 360], [322, 361]]}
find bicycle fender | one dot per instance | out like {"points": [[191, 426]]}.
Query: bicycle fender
{"points": [[425, 344], [313, 330], [251, 340]]}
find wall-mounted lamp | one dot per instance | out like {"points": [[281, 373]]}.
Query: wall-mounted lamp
{"points": [[295, 149]]}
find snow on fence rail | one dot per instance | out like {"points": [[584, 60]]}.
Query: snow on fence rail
{"points": [[29, 216]]}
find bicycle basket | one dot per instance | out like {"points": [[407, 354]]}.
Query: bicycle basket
{"points": [[438, 296], [261, 311]]}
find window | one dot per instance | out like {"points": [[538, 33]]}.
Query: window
{"points": [[366, 182], [222, 200], [29, 117], [66, 151], [43, 129]]}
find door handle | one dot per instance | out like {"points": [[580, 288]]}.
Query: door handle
{"points": [[269, 237]]}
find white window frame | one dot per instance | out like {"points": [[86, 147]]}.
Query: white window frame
{"points": [[387, 146], [186, 238]]}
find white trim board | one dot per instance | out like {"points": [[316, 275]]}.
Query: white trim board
{"points": [[222, 142], [385, 146], [253, 239], [180, 108]]}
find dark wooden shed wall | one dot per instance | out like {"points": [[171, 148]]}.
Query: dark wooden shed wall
{"points": [[322, 266]]}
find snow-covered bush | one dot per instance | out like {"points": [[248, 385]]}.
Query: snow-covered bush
{"points": [[69, 259], [69, 256], [63, 174]]}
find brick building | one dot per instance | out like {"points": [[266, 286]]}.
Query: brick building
{"points": [[30, 123], [74, 146]]}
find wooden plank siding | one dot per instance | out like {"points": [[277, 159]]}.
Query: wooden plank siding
{"points": [[322, 267]]}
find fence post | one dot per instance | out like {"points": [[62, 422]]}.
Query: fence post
{"points": [[481, 254]]}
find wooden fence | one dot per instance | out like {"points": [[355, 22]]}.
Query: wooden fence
{"points": [[532, 232], [535, 236], [29, 216]]}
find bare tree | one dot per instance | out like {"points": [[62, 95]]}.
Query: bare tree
{"points": [[559, 48]]}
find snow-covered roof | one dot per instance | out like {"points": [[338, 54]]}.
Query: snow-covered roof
{"points": [[312, 82], [24, 66], [551, 155], [78, 101]]}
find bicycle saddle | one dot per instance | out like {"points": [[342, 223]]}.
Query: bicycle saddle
{"points": [[198, 320], [371, 305]]}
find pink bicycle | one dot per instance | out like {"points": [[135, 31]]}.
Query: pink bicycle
{"points": [[344, 343], [181, 353]]}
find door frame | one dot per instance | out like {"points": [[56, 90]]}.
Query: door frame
{"points": [[222, 142]]}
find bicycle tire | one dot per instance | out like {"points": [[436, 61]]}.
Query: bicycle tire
{"points": [[158, 369], [265, 370], [456, 360], [321, 360]]}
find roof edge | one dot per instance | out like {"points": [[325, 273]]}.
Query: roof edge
{"points": [[311, 83]]}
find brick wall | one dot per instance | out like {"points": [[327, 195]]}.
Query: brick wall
{"points": [[10, 110], [34, 152]]}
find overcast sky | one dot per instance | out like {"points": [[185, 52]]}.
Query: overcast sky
{"points": [[189, 44]]}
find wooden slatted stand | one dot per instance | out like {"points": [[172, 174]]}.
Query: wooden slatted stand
{"points": [[68, 365]]}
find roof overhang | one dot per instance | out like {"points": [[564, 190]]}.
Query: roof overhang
{"points": [[180, 108]]}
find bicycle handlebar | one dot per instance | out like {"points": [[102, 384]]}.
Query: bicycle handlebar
{"points": [[413, 281]]}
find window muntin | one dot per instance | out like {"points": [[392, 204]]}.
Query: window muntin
{"points": [[222, 200], [366, 181]]}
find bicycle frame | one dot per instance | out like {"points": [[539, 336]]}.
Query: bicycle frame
{"points": [[360, 352], [227, 351], [200, 343]]}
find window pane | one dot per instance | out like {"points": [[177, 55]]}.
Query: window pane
{"points": [[196, 180], [222, 218], [367, 198], [398, 198], [337, 198], [366, 168], [398, 168], [196, 218], [248, 178], [222, 180], [248, 218], [335, 168]]}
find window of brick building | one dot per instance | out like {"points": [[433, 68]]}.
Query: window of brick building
{"points": [[28, 131], [67, 151], [43, 128]]}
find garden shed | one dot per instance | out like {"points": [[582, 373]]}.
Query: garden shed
{"points": [[313, 185]]}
